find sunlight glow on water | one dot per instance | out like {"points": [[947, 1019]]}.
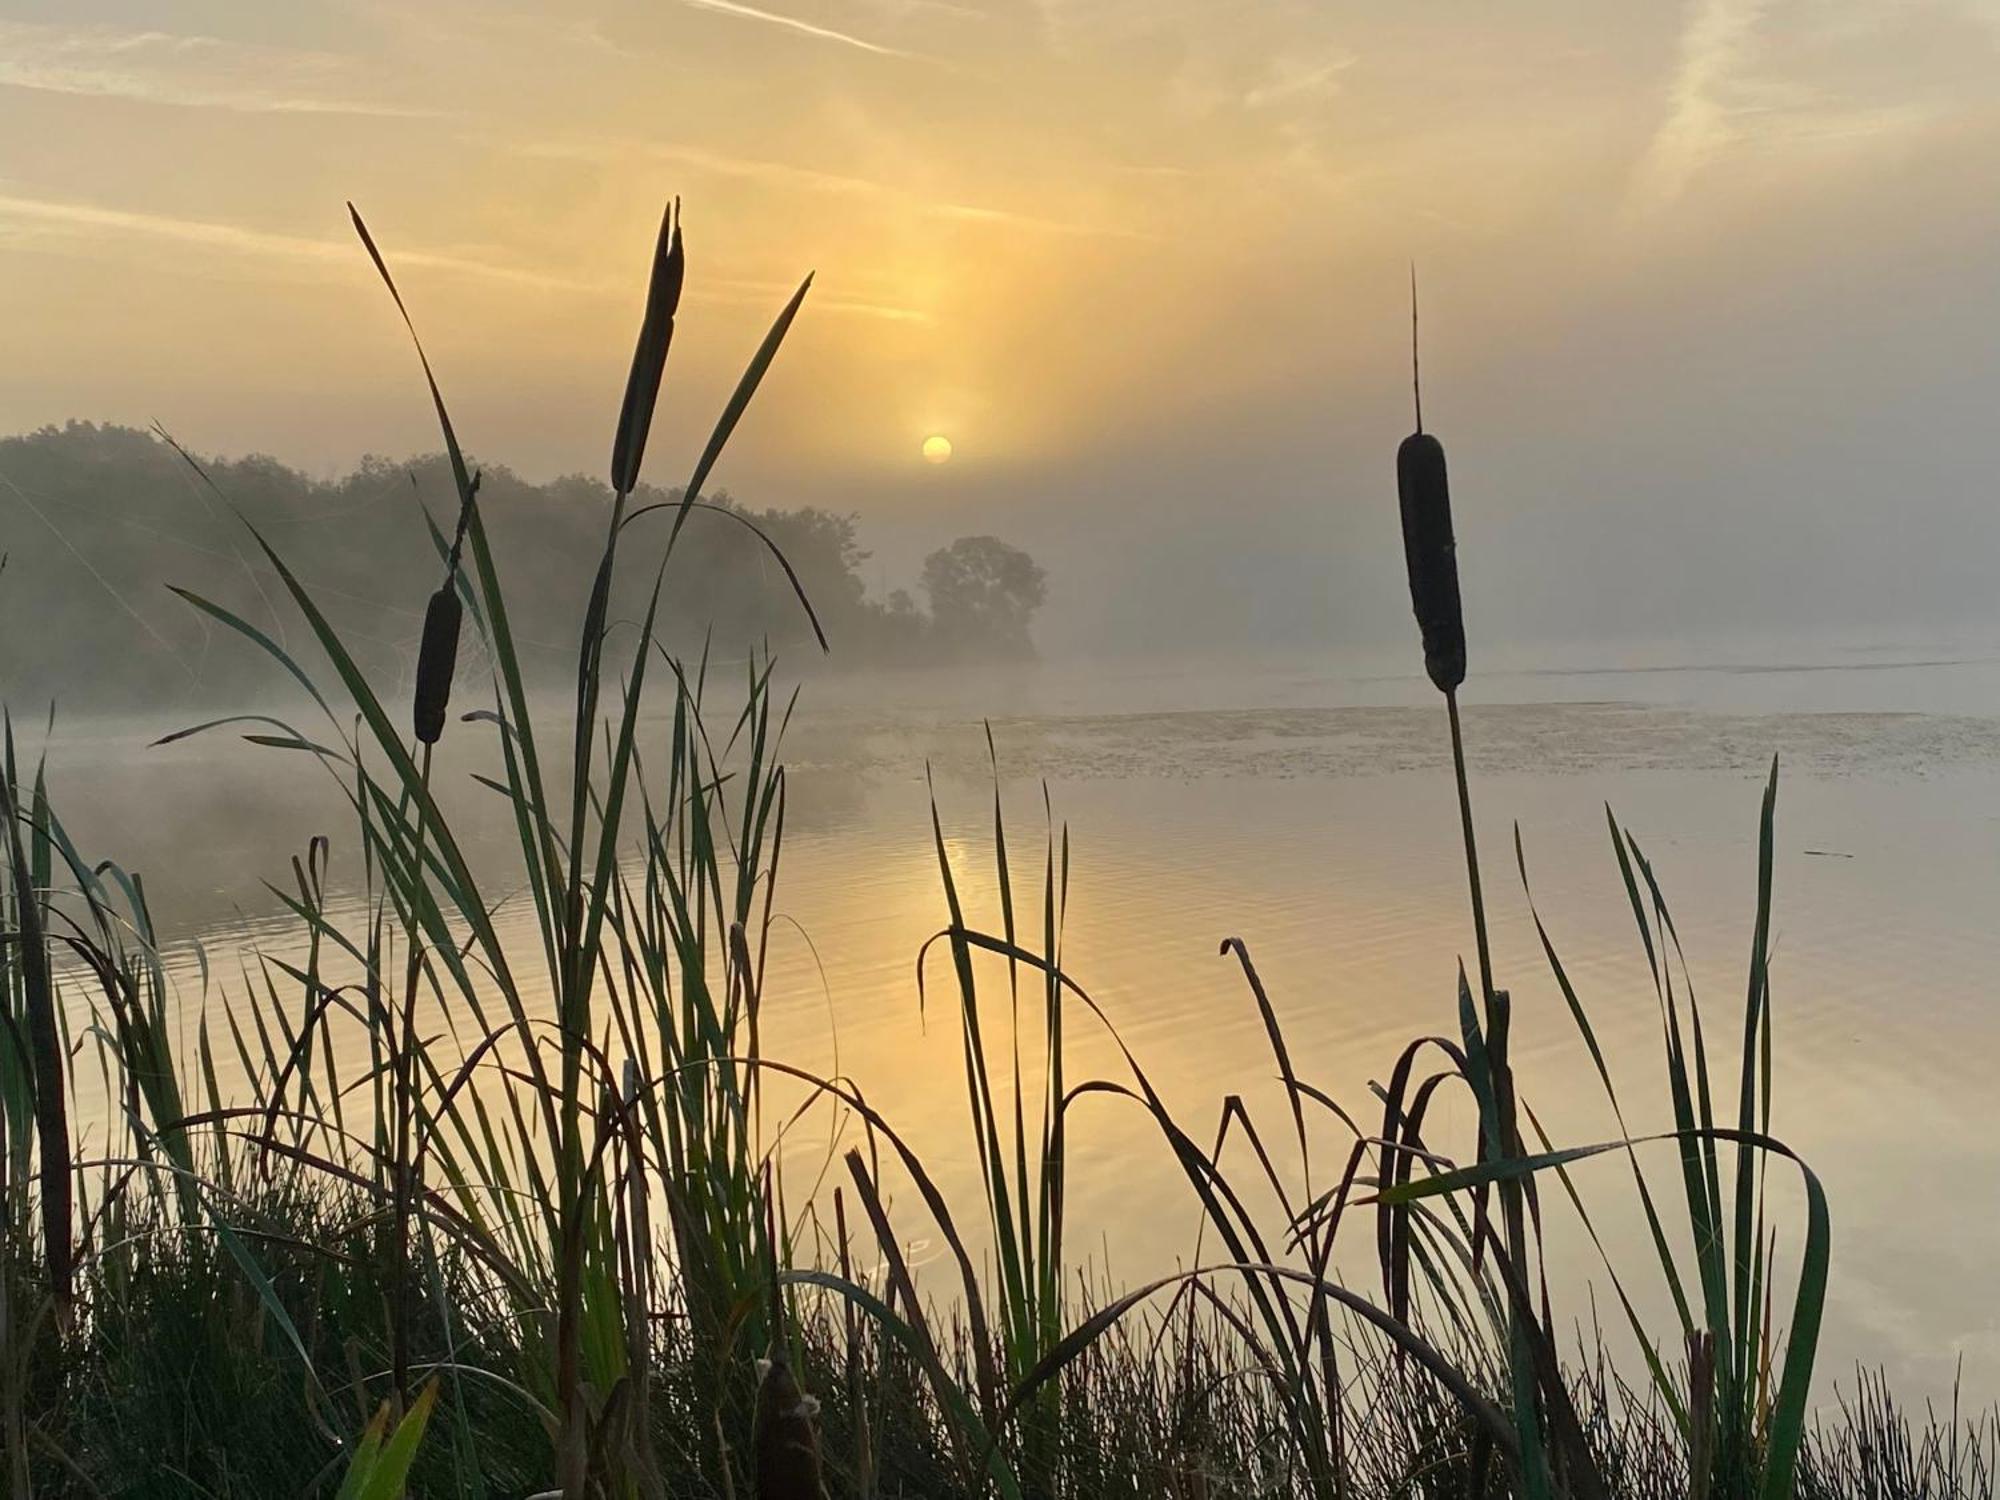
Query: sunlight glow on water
{"points": [[1325, 836]]}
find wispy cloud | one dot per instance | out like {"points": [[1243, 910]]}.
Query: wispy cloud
{"points": [[975, 214], [1714, 48], [696, 158], [931, 7], [1292, 79], [1750, 77], [24, 217], [794, 24], [200, 72], [91, 220], [784, 175], [771, 295]]}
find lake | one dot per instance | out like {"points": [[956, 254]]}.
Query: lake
{"points": [[1306, 807]]}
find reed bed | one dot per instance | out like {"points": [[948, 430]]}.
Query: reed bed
{"points": [[493, 1218]]}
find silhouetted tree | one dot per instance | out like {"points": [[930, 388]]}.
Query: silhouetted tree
{"points": [[101, 519], [983, 594]]}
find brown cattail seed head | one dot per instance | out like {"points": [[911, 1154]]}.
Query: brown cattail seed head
{"points": [[435, 662], [784, 1435], [649, 359], [1432, 556]]}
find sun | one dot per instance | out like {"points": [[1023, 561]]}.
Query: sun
{"points": [[937, 448]]}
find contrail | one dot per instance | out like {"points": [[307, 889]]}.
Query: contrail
{"points": [[793, 23]]}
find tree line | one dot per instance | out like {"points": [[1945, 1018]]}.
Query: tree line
{"points": [[100, 523]]}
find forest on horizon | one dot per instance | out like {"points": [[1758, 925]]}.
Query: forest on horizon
{"points": [[103, 522]]}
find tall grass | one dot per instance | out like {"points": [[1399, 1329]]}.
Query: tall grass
{"points": [[492, 1203]]}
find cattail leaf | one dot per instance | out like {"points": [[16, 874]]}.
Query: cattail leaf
{"points": [[251, 633], [1589, 1035], [461, 476], [285, 731], [1432, 556], [40, 1007], [1093, 1329], [681, 506], [381, 1464], [649, 357]]}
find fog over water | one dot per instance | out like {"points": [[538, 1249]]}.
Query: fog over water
{"points": [[1303, 804]]}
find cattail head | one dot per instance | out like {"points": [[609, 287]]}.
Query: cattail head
{"points": [[1432, 557], [435, 661], [784, 1434], [649, 358]]}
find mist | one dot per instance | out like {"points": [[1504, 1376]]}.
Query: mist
{"points": [[1709, 323]]}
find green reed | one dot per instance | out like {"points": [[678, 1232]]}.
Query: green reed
{"points": [[534, 1168]]}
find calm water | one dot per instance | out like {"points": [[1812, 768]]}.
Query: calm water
{"points": [[1309, 812]]}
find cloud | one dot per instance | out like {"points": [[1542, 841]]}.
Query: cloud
{"points": [[700, 159], [786, 175], [1846, 74], [1291, 79], [1714, 48], [98, 222], [931, 7], [772, 295], [792, 23], [197, 72], [93, 221], [974, 214]]}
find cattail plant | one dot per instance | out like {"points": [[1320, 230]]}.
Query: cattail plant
{"points": [[437, 658], [573, 874], [628, 445], [1431, 554]]}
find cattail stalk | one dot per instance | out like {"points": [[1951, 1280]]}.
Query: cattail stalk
{"points": [[437, 658], [406, 1186], [1471, 848]]}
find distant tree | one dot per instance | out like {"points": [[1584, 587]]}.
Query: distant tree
{"points": [[100, 519], [983, 595], [899, 633]]}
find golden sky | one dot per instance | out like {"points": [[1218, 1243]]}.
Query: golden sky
{"points": [[1063, 232]]}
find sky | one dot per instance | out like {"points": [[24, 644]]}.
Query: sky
{"points": [[1711, 310]]}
